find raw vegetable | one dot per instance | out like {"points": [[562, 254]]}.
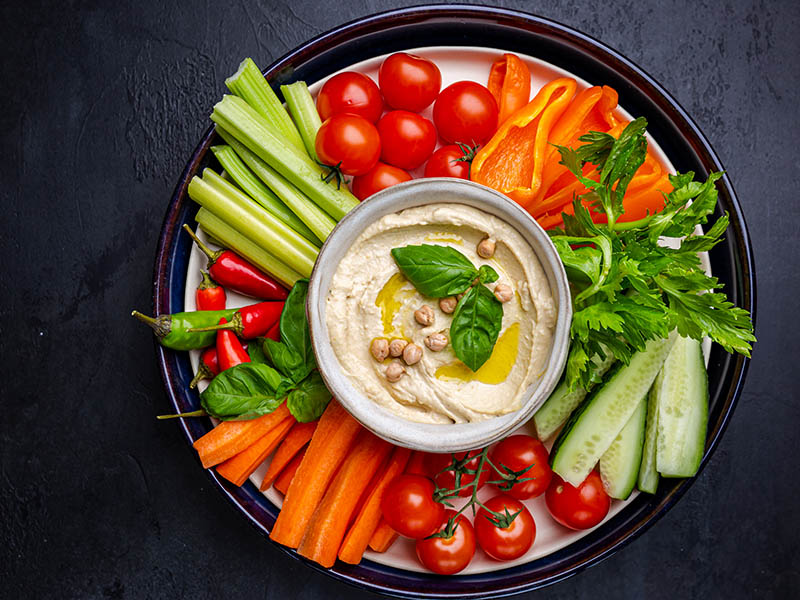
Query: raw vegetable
{"points": [[453, 160], [409, 82], [447, 555], [174, 331], [249, 84], [409, 507], [229, 349], [681, 396], [247, 126], [350, 92], [510, 84], [329, 447], [506, 537], [309, 398], [380, 177], [525, 459], [348, 143], [328, 526], [208, 367], [235, 167], [465, 112], [250, 322], [383, 537], [299, 435], [619, 465], [594, 426], [407, 139], [232, 437], [244, 391], [455, 473], [284, 480], [580, 507], [417, 464], [365, 524], [238, 468], [209, 295], [648, 474], [304, 113]]}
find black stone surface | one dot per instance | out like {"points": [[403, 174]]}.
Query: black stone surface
{"points": [[101, 105]]}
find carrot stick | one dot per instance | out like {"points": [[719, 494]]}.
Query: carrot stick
{"points": [[328, 525], [416, 464], [328, 448], [357, 539], [238, 468], [298, 437], [283, 480], [229, 438], [383, 537]]}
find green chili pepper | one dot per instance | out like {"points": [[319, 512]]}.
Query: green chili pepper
{"points": [[173, 332]]}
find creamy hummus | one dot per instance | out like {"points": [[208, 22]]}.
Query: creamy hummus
{"points": [[369, 298]]}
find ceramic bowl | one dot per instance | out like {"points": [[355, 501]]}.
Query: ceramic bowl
{"points": [[425, 436]]}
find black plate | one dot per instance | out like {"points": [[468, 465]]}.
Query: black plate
{"points": [[678, 136]]}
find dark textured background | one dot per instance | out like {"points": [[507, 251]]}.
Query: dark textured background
{"points": [[102, 104]]}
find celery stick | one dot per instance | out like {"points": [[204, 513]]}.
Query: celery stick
{"points": [[312, 215], [252, 186], [235, 116], [228, 237], [304, 113], [248, 218], [249, 84]]}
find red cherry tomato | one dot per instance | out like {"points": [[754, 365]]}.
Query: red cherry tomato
{"points": [[376, 179], [409, 82], [447, 479], [350, 92], [350, 140], [510, 542], [579, 507], [465, 112], [445, 163], [446, 556], [409, 508], [519, 452], [407, 139]]}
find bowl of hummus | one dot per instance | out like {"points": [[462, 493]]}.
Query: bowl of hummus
{"points": [[439, 313]]}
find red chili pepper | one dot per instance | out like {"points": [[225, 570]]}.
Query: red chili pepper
{"points": [[239, 275], [229, 349], [209, 295], [209, 366], [274, 332], [251, 321]]}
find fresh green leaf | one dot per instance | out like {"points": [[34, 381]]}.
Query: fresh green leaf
{"points": [[294, 325], [309, 399], [436, 271], [487, 274], [256, 352], [288, 362], [243, 392], [476, 325]]}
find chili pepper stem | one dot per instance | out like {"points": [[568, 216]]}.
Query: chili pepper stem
{"points": [[234, 325], [194, 413], [160, 324], [212, 256], [202, 373]]}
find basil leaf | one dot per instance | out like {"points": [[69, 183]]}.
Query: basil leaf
{"points": [[294, 325], [487, 274], [256, 352], [436, 271], [243, 392], [288, 362], [309, 399], [476, 325]]}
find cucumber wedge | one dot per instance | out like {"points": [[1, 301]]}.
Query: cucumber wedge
{"points": [[619, 466], [682, 398], [559, 406], [594, 426], [648, 475]]}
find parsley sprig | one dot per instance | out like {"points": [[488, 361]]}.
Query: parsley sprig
{"points": [[626, 287]]}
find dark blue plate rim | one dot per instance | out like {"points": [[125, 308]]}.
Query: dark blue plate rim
{"points": [[514, 31]]}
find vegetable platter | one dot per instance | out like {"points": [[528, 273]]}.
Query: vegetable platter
{"points": [[550, 50]]}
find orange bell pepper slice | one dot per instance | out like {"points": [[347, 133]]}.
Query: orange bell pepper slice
{"points": [[510, 84], [512, 161]]}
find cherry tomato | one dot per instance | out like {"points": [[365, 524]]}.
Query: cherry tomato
{"points": [[376, 179], [409, 508], [519, 452], [409, 82], [510, 542], [465, 112], [445, 163], [447, 479], [446, 556], [407, 139], [350, 140], [350, 92], [579, 507], [417, 464]]}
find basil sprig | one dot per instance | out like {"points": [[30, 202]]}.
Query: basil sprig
{"points": [[242, 392], [441, 271]]}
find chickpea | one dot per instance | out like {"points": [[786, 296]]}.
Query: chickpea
{"points": [[396, 347], [379, 349], [486, 248], [436, 342], [460, 296], [424, 315], [394, 372], [503, 292], [448, 305], [412, 354]]}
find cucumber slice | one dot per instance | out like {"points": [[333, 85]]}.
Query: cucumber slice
{"points": [[619, 466], [648, 475], [559, 406], [682, 398], [592, 428]]}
